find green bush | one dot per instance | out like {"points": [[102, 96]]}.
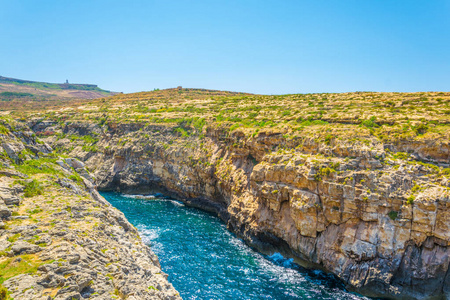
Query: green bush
{"points": [[326, 171], [370, 123], [416, 188], [401, 155], [33, 188], [182, 131], [420, 129], [393, 214]]}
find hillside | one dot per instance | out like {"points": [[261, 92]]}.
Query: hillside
{"points": [[15, 94], [59, 238], [356, 184]]}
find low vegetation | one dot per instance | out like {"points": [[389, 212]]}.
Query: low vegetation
{"points": [[23, 264], [387, 117]]}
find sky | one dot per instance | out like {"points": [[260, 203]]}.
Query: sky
{"points": [[256, 46]]}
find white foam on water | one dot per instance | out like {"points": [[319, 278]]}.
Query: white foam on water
{"points": [[148, 235], [256, 268], [177, 203], [143, 197], [128, 196]]}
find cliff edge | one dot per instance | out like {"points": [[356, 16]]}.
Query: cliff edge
{"points": [[59, 239], [357, 184]]}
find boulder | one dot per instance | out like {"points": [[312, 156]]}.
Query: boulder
{"points": [[74, 163], [4, 211], [13, 150], [22, 247]]}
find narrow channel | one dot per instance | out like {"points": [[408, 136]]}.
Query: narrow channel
{"points": [[206, 261]]}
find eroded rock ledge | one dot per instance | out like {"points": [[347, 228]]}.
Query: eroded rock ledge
{"points": [[59, 239], [376, 217]]}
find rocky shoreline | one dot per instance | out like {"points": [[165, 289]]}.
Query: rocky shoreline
{"points": [[375, 216], [60, 239], [376, 219]]}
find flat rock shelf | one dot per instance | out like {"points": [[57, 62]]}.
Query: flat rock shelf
{"points": [[205, 261]]}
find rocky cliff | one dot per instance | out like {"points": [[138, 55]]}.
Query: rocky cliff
{"points": [[59, 239], [356, 184], [376, 217]]}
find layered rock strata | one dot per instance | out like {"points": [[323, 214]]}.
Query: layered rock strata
{"points": [[376, 217], [59, 239]]}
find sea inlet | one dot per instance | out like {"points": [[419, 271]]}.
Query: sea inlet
{"points": [[206, 261]]}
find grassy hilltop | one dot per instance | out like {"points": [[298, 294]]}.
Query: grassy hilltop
{"points": [[17, 94], [359, 119], [359, 116], [311, 162]]}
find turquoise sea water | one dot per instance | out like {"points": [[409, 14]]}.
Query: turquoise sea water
{"points": [[205, 261]]}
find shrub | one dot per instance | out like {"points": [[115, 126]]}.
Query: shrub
{"points": [[182, 131], [326, 171], [401, 155], [416, 188], [370, 123], [393, 214], [33, 188], [420, 129]]}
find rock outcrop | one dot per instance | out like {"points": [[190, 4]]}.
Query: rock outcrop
{"points": [[59, 239], [376, 217]]}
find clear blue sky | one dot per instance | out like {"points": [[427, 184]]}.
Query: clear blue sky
{"points": [[258, 46]]}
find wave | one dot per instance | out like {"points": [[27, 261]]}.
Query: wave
{"points": [[143, 197]]}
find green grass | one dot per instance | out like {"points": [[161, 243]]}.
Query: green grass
{"points": [[4, 130], [86, 138], [13, 238], [34, 211], [11, 267], [77, 178], [90, 142], [15, 95], [38, 166], [51, 86], [182, 131]]}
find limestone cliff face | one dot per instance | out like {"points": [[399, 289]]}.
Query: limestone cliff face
{"points": [[59, 239], [377, 218]]}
